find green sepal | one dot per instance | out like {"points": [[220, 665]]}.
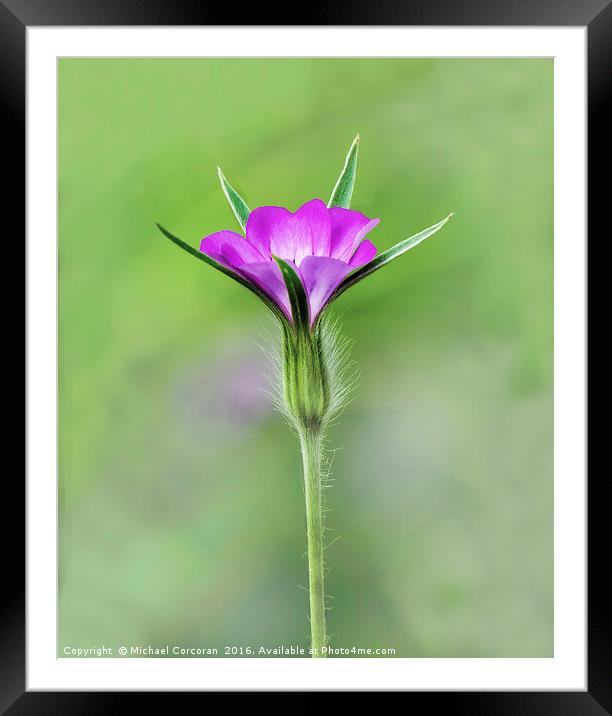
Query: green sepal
{"points": [[300, 309], [385, 257], [306, 395], [220, 267], [306, 391], [238, 204], [343, 191]]}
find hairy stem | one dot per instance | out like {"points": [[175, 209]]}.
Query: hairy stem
{"points": [[310, 442]]}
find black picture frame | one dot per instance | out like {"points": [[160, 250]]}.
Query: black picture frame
{"points": [[15, 17]]}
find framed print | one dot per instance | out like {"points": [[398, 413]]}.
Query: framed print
{"points": [[255, 462]]}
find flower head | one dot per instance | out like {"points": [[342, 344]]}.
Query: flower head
{"points": [[298, 263], [321, 244]]}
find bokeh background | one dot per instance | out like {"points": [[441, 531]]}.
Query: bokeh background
{"points": [[181, 508]]}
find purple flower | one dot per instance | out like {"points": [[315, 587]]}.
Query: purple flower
{"points": [[322, 245], [298, 263]]}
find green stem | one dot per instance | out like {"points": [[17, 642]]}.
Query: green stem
{"points": [[310, 442]]}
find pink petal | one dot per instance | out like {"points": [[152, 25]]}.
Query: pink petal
{"points": [[267, 275], [267, 225], [348, 229], [321, 275], [315, 215], [366, 251], [274, 230], [229, 248]]}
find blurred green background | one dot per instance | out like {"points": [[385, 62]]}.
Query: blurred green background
{"points": [[181, 508]]}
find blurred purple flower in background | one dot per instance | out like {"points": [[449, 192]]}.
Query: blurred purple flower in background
{"points": [[322, 245], [234, 402]]}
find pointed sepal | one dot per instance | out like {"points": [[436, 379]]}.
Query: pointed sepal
{"points": [[228, 272], [343, 191], [238, 204], [387, 256], [300, 309]]}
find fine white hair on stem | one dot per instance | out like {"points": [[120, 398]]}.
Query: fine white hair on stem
{"points": [[342, 373], [271, 343], [311, 378], [342, 370]]}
